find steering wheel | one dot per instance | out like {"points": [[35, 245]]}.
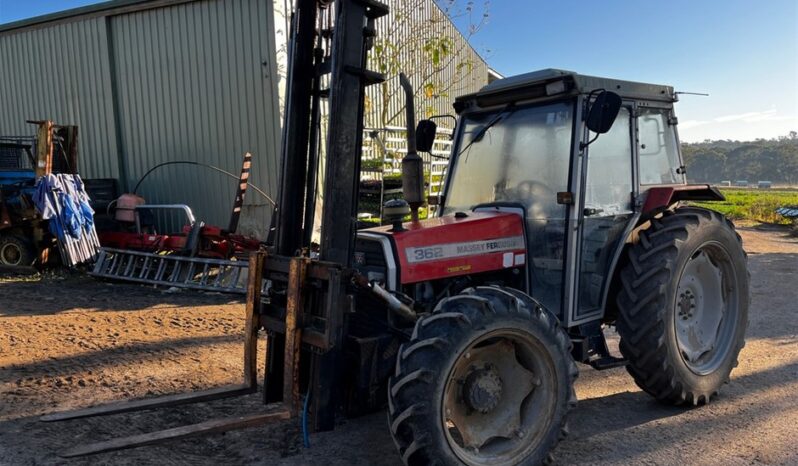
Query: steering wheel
{"points": [[530, 190], [538, 198]]}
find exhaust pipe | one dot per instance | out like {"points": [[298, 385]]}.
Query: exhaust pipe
{"points": [[412, 164]]}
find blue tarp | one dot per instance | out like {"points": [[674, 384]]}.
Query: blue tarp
{"points": [[788, 212], [62, 200]]}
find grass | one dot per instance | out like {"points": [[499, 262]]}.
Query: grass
{"points": [[742, 205], [754, 205]]}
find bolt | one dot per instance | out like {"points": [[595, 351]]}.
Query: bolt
{"points": [[520, 433], [448, 411], [468, 355]]}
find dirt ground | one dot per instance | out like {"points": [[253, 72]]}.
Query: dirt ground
{"points": [[68, 342]]}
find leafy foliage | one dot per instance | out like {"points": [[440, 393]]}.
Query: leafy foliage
{"points": [[420, 41]]}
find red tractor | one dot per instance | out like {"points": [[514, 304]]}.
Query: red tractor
{"points": [[561, 215]]}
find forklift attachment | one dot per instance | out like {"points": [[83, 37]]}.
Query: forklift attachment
{"points": [[151, 403], [303, 281], [152, 438]]}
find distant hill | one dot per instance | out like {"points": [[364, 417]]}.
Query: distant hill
{"points": [[773, 160]]}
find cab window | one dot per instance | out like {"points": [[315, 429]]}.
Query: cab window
{"points": [[659, 153]]}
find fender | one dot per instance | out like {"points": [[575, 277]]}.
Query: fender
{"points": [[659, 198]]}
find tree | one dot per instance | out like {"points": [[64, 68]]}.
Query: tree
{"points": [[418, 39], [773, 160]]}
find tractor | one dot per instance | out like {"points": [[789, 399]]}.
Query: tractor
{"points": [[561, 215]]}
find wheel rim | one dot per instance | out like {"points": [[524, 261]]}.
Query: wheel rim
{"points": [[499, 399], [11, 254], [706, 308]]}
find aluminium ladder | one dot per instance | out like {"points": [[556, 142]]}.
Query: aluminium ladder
{"points": [[227, 276]]}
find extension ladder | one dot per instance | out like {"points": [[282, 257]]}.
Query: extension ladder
{"points": [[227, 276]]}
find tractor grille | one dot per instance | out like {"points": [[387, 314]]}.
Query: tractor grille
{"points": [[370, 259]]}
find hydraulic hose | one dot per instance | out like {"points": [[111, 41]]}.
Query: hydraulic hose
{"points": [[200, 164]]}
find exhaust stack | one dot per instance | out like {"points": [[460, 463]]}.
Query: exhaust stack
{"points": [[412, 164]]}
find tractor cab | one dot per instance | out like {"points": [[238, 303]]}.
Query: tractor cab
{"points": [[534, 141]]}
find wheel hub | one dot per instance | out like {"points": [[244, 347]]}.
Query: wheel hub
{"points": [[700, 308], [482, 389], [686, 304], [499, 395], [10, 254]]}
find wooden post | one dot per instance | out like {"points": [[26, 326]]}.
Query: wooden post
{"points": [[71, 149], [293, 333], [44, 148], [238, 202], [254, 285]]}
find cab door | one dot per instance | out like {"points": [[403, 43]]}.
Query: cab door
{"points": [[605, 210]]}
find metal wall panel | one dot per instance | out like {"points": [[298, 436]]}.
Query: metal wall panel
{"points": [[194, 82], [61, 73], [190, 80]]}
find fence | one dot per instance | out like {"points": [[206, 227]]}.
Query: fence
{"points": [[17, 153]]}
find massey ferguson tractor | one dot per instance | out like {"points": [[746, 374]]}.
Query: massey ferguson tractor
{"points": [[562, 214]]}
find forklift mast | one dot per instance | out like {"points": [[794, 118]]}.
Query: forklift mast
{"points": [[328, 46]]}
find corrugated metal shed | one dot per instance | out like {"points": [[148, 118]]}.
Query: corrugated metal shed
{"points": [[156, 81]]}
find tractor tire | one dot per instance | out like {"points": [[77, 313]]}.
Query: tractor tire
{"points": [[486, 379], [683, 306], [14, 251]]}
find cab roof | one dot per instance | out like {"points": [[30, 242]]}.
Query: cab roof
{"points": [[546, 83]]}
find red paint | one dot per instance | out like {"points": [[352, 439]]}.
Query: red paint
{"points": [[660, 198], [441, 231], [213, 242]]}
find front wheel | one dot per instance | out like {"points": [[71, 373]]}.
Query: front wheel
{"points": [[684, 306], [487, 379]]}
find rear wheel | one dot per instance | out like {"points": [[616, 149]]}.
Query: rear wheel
{"points": [[15, 251], [486, 379], [684, 306]]}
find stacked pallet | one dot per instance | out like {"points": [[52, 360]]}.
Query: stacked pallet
{"points": [[62, 200]]}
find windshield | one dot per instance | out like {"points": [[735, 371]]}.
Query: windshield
{"points": [[522, 157]]}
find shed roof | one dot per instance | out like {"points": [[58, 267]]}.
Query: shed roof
{"points": [[113, 7]]}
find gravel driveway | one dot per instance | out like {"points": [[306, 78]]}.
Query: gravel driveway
{"points": [[72, 342]]}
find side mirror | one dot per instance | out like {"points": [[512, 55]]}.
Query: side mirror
{"points": [[425, 135], [603, 112]]}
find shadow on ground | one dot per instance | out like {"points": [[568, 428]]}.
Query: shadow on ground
{"points": [[55, 294]]}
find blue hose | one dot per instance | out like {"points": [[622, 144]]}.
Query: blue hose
{"points": [[305, 434]]}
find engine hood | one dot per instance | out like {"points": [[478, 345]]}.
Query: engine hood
{"points": [[454, 245]]}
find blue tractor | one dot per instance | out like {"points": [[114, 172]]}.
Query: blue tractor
{"points": [[24, 237]]}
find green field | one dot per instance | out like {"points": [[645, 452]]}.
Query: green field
{"points": [[754, 205]]}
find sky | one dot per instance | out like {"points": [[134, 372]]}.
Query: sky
{"points": [[743, 53]]}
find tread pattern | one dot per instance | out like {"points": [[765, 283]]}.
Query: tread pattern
{"points": [[643, 300], [421, 362]]}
